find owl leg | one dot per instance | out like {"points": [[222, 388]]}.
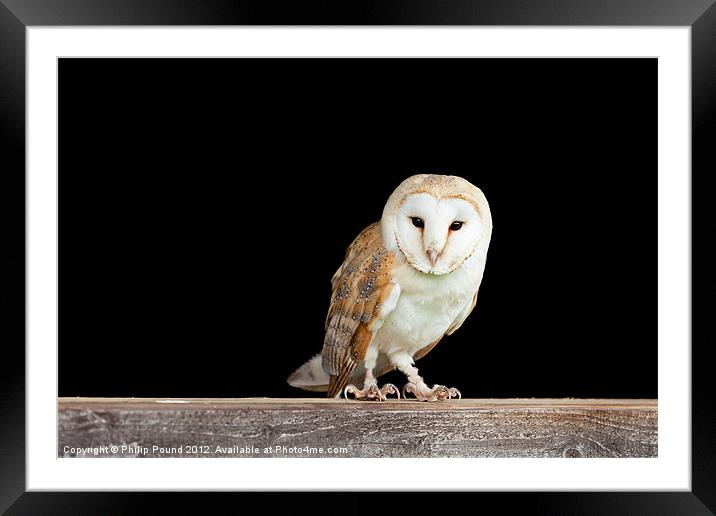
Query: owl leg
{"points": [[416, 385], [370, 390]]}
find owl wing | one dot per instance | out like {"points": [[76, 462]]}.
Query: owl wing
{"points": [[363, 297]]}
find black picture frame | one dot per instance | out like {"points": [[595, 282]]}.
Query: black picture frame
{"points": [[17, 15]]}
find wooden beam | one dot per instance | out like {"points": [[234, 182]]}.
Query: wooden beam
{"points": [[314, 427]]}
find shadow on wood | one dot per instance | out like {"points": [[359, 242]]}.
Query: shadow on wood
{"points": [[267, 427]]}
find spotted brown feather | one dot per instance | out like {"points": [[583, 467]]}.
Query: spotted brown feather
{"points": [[359, 286]]}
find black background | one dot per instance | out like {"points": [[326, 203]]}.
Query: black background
{"points": [[205, 204]]}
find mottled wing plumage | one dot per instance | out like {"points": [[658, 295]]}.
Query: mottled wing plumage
{"points": [[360, 286]]}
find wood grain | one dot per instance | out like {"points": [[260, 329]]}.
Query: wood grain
{"points": [[263, 427]]}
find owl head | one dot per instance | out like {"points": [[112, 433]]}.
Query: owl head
{"points": [[437, 222]]}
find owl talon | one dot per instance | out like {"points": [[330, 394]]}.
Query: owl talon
{"points": [[350, 389], [374, 393], [425, 393], [371, 392], [409, 388], [389, 388], [441, 392]]}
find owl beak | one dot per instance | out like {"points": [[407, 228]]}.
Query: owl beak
{"points": [[433, 256]]}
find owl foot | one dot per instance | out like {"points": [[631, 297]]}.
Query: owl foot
{"points": [[424, 393], [372, 392]]}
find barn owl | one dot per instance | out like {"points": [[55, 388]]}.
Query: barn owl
{"points": [[406, 281]]}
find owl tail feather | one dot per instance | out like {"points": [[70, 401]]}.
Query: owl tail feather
{"points": [[310, 376]]}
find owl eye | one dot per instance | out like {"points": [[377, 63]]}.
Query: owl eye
{"points": [[455, 226], [418, 222]]}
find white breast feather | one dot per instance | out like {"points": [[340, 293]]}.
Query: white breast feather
{"points": [[427, 307]]}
